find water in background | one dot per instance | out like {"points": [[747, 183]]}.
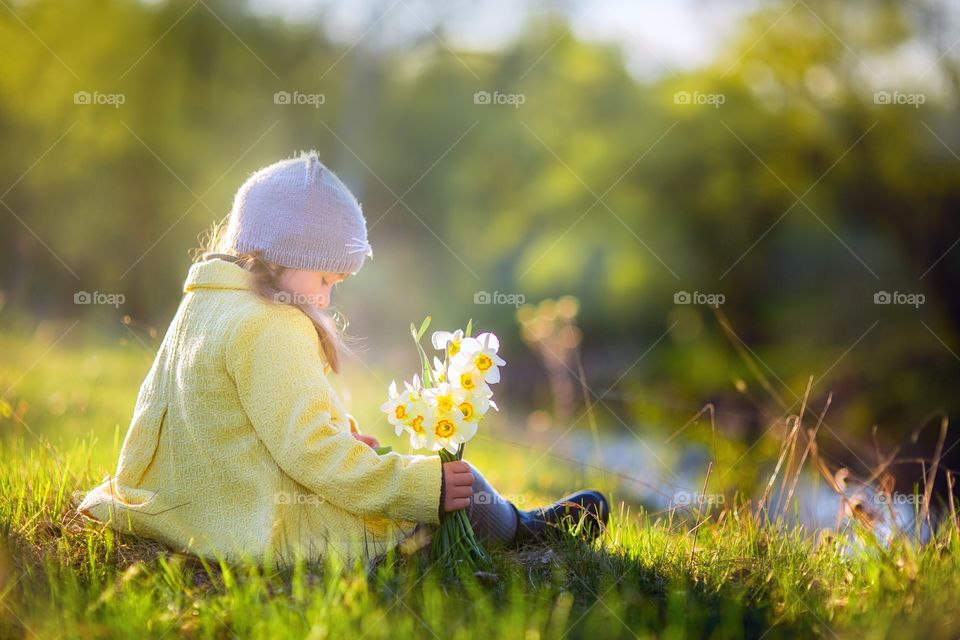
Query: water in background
{"points": [[662, 477]]}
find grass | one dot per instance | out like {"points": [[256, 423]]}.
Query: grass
{"points": [[652, 575]]}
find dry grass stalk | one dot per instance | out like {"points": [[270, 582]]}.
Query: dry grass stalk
{"points": [[696, 529], [953, 508], [811, 439], [776, 471], [793, 447], [931, 477]]}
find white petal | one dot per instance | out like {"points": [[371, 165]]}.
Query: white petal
{"points": [[489, 341], [459, 362], [470, 345], [468, 430], [439, 339]]}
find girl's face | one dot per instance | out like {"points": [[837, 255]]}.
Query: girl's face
{"points": [[312, 287]]}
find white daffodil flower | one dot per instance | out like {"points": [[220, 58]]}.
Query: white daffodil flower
{"points": [[449, 429], [445, 415], [447, 426], [439, 371], [470, 380], [445, 340], [397, 407], [472, 405], [420, 437], [441, 397], [480, 354], [415, 387], [407, 411]]}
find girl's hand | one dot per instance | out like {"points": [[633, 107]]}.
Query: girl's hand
{"points": [[457, 485], [370, 441]]}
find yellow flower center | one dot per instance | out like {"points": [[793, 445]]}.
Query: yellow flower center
{"points": [[467, 410], [453, 348], [445, 428], [466, 381], [484, 362], [445, 403], [400, 412], [417, 424]]}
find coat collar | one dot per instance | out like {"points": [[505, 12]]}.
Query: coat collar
{"points": [[216, 273]]}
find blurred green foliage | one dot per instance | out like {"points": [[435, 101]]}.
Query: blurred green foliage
{"points": [[797, 198]]}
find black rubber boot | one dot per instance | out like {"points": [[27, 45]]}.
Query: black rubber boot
{"points": [[540, 524]]}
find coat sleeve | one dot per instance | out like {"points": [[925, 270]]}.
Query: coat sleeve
{"points": [[276, 364]]}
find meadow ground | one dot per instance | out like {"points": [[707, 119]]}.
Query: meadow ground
{"points": [[652, 575]]}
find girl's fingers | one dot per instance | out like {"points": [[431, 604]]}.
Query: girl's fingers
{"points": [[367, 440], [456, 504], [460, 492], [459, 479], [462, 479], [457, 466]]}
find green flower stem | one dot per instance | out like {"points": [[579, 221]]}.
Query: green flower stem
{"points": [[455, 542]]}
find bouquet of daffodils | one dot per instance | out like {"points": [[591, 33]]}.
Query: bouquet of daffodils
{"points": [[440, 410]]}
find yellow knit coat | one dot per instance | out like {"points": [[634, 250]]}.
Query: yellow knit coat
{"points": [[240, 448]]}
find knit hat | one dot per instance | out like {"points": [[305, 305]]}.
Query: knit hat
{"points": [[299, 215]]}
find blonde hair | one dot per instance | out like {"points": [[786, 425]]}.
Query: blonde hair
{"points": [[265, 282]]}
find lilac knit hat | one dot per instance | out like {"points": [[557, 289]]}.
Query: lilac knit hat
{"points": [[299, 215]]}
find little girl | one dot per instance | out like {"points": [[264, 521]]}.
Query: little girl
{"points": [[240, 448]]}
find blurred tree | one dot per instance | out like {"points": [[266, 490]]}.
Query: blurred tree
{"points": [[797, 197]]}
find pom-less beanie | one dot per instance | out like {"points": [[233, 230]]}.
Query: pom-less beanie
{"points": [[296, 213]]}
